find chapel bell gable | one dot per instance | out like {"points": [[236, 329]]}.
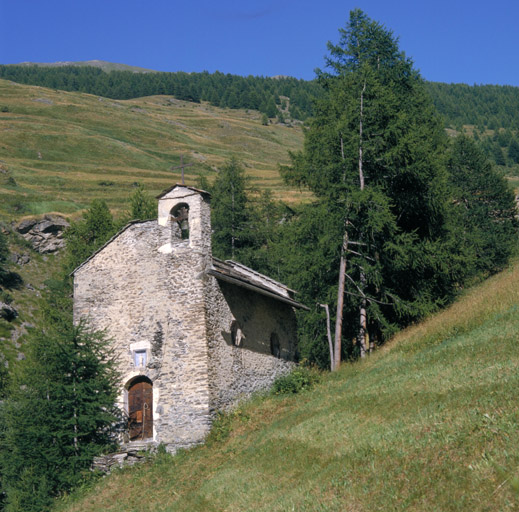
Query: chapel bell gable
{"points": [[185, 210]]}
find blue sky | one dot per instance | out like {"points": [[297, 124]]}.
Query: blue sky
{"points": [[466, 41]]}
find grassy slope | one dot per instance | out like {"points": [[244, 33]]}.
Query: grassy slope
{"points": [[430, 422], [59, 150]]}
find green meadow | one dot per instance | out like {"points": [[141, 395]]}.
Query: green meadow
{"points": [[430, 422], [59, 150]]}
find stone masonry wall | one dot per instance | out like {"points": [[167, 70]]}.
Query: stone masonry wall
{"points": [[237, 370], [146, 288], [207, 342]]}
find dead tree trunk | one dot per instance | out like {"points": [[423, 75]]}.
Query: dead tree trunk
{"points": [[362, 318], [361, 338], [340, 299], [361, 140], [329, 334]]}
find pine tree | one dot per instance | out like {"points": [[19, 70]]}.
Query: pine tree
{"points": [[373, 156], [142, 205], [513, 151], [60, 410], [87, 235], [485, 208], [230, 214]]}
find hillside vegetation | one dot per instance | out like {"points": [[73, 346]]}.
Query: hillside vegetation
{"points": [[427, 423], [486, 112], [101, 64], [59, 150]]}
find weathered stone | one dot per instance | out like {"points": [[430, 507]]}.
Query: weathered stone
{"points": [[105, 463], [26, 225], [206, 340], [7, 312], [19, 259], [45, 235]]}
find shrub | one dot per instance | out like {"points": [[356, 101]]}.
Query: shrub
{"points": [[299, 379]]}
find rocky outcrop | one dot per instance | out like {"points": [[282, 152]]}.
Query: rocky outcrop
{"points": [[45, 235], [105, 463], [7, 312], [19, 259]]}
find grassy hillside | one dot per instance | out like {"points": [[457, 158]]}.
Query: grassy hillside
{"points": [[59, 150], [428, 423]]}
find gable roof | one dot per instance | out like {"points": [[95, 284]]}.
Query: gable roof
{"points": [[118, 234], [229, 271], [168, 190], [245, 277]]}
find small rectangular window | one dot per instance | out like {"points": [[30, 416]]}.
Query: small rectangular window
{"points": [[140, 358]]}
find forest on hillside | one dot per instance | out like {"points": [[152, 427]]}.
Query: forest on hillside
{"points": [[264, 94], [486, 112]]}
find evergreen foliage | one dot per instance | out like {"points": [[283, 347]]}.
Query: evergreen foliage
{"points": [[87, 235], [485, 106], [247, 225], [60, 409], [230, 213], [513, 151], [485, 208], [142, 205], [374, 156], [219, 89]]}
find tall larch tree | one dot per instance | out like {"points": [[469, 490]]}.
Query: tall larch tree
{"points": [[373, 156]]}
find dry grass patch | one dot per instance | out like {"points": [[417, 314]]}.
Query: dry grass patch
{"points": [[73, 135]]}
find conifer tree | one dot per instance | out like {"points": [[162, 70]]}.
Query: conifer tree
{"points": [[513, 151], [142, 205], [87, 235], [230, 214], [485, 208], [60, 409], [373, 157]]}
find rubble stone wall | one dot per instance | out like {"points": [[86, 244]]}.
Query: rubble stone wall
{"points": [[146, 289], [207, 343], [241, 362]]}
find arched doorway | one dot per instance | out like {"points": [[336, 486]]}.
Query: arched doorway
{"points": [[140, 409]]}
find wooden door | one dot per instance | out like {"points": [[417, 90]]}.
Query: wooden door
{"points": [[140, 410]]}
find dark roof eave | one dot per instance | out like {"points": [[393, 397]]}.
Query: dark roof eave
{"points": [[257, 289]]}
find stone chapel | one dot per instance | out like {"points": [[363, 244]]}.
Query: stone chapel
{"points": [[191, 334]]}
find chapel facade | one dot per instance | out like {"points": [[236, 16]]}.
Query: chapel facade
{"points": [[191, 334]]}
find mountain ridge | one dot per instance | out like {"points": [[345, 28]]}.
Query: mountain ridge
{"points": [[96, 63]]}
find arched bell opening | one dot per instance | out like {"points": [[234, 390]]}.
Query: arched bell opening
{"points": [[140, 408], [179, 215]]}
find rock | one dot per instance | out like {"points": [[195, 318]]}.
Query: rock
{"points": [[19, 259], [45, 235], [44, 100], [7, 312], [25, 225], [105, 463]]}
